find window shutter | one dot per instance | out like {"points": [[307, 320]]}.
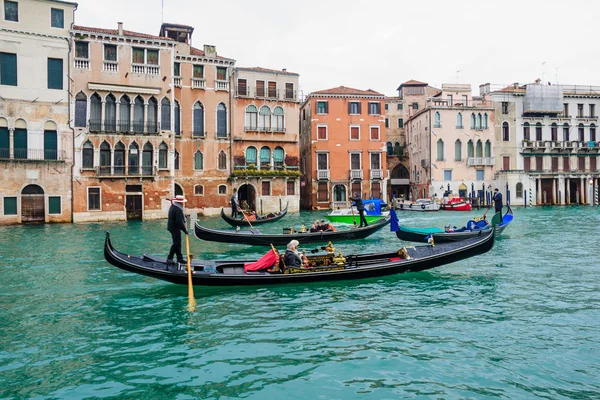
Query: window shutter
{"points": [[50, 145], [8, 69], [349, 107], [20, 143], [359, 107], [4, 143], [55, 73]]}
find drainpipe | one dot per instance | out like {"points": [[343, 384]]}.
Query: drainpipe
{"points": [[231, 101], [69, 122]]}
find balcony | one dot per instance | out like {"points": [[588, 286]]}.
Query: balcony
{"points": [[82, 63], [221, 85], [250, 171], [376, 174], [124, 127], [323, 174], [177, 81], [110, 66], [32, 155], [145, 69], [480, 161], [356, 174], [198, 83], [123, 171]]}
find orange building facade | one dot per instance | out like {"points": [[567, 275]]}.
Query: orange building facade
{"points": [[342, 147]]}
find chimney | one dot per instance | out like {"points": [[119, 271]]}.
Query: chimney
{"points": [[210, 51], [120, 28], [284, 70], [484, 89]]}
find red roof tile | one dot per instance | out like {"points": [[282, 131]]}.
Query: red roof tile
{"points": [[412, 82], [272, 71], [115, 32], [349, 91]]}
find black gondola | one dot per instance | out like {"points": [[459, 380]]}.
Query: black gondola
{"points": [[232, 273], [446, 235], [253, 237], [259, 221]]}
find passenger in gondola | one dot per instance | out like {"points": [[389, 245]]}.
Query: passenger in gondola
{"points": [[315, 226], [293, 257], [251, 216]]}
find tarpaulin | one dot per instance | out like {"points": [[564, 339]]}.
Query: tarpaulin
{"points": [[266, 261]]}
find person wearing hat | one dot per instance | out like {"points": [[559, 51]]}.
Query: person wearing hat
{"points": [[497, 198], [176, 225], [360, 207]]}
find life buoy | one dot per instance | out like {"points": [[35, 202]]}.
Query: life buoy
{"points": [[422, 206]]}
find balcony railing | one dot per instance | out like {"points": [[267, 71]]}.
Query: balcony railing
{"points": [[221, 85], [126, 171], [145, 69], [82, 63], [124, 127], [33, 154], [376, 174], [177, 81], [198, 83], [459, 103], [480, 161], [356, 174], [110, 66], [322, 174]]}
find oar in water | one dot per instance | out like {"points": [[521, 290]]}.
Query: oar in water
{"points": [[191, 299], [248, 221], [352, 211]]}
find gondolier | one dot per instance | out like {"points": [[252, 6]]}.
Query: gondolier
{"points": [[497, 198], [235, 204], [176, 225], [360, 207]]}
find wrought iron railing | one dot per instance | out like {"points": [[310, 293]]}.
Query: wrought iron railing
{"points": [[125, 171], [33, 154]]}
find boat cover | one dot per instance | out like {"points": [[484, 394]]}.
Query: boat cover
{"points": [[266, 261]]}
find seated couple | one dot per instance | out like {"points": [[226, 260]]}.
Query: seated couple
{"points": [[322, 227]]}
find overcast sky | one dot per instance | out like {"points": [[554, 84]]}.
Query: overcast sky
{"points": [[380, 44]]}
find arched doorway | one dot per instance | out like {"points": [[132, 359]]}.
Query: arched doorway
{"points": [[462, 191], [247, 193], [32, 204], [400, 184], [339, 193]]}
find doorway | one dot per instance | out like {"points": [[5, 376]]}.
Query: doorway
{"points": [[133, 202], [32, 204], [247, 193], [462, 191]]}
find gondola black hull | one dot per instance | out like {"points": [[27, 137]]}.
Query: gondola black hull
{"points": [[243, 222], [259, 239], [231, 273]]}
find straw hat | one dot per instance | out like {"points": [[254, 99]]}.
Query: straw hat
{"points": [[179, 198]]}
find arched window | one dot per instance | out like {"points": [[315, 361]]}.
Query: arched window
{"points": [[488, 148], [472, 121], [222, 160], [95, 113], [125, 114], [458, 150], [104, 159], [177, 119], [119, 159], [339, 193], [222, 189], [479, 149], [152, 116], [163, 155], [176, 160], [538, 131], [221, 121], [147, 159], [440, 150], [87, 155], [505, 132], [485, 121], [519, 190], [198, 126], [251, 117], [198, 190], [265, 157], [581, 131], [554, 132], [138, 115], [437, 120], [251, 156], [80, 110], [390, 149], [165, 114], [526, 132], [279, 119], [198, 160], [110, 114], [459, 123], [592, 132], [278, 157], [134, 159], [50, 141], [566, 132], [264, 119], [479, 121], [397, 149], [470, 149]]}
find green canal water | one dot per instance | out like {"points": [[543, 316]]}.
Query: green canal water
{"points": [[522, 321]]}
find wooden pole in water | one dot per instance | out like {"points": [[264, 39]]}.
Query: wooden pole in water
{"points": [[191, 299]]}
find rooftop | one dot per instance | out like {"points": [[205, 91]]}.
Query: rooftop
{"points": [[267, 70], [343, 90], [115, 32]]}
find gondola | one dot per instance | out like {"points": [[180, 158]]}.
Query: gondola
{"points": [[454, 235], [254, 237], [242, 222], [327, 267]]}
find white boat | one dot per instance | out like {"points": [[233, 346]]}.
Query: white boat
{"points": [[419, 205]]}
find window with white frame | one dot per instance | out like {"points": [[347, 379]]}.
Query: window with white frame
{"points": [[322, 161], [375, 161], [354, 132], [355, 161], [251, 117], [198, 160], [222, 189], [374, 132], [94, 199], [447, 174], [198, 190], [222, 160], [321, 132], [480, 174]]}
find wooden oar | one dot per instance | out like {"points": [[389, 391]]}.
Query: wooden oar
{"points": [[352, 211], [248, 221], [191, 299]]}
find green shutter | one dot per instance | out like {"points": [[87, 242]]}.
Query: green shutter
{"points": [[54, 206], [4, 143], [50, 145], [10, 206], [20, 143], [8, 69], [55, 73]]}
